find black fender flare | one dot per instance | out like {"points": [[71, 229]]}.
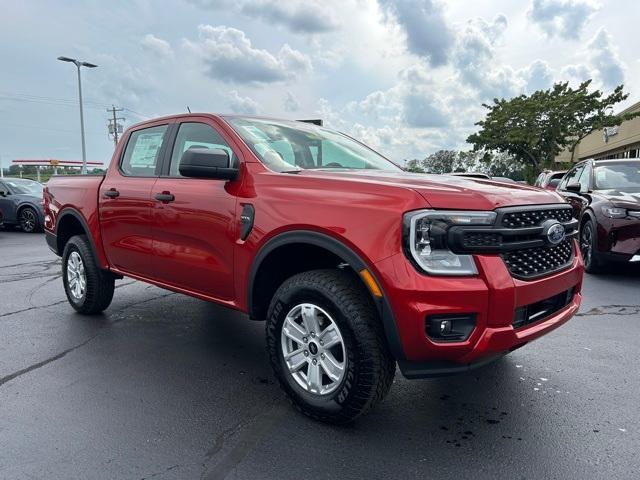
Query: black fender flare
{"points": [[78, 216], [341, 250]]}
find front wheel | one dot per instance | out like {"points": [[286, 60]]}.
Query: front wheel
{"points": [[28, 219], [327, 347], [89, 289], [588, 248]]}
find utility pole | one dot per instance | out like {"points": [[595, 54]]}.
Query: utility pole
{"points": [[114, 127], [1, 168]]}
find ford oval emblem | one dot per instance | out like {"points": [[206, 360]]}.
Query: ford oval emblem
{"points": [[555, 234]]}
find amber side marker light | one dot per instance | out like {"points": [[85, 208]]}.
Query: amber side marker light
{"points": [[370, 282]]}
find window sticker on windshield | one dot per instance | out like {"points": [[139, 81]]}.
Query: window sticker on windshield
{"points": [[255, 132]]}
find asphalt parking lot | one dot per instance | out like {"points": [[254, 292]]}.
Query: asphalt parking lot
{"points": [[164, 386]]}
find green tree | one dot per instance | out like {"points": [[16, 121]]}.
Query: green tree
{"points": [[593, 112], [535, 128], [443, 161]]}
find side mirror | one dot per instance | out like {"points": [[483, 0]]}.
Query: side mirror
{"points": [[3, 193], [573, 187], [207, 163]]}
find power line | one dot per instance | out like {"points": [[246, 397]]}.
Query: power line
{"points": [[47, 100], [23, 97]]}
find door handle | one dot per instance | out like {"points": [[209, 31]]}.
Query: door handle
{"points": [[165, 197], [112, 193]]}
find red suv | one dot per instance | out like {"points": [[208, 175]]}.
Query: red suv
{"points": [[549, 179], [355, 265]]}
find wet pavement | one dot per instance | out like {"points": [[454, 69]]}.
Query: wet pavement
{"points": [[165, 386]]}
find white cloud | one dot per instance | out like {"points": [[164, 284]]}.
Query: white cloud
{"points": [[427, 33], [239, 104], [604, 60], [118, 82], [300, 16], [157, 46], [576, 73], [291, 103], [538, 76], [474, 59], [564, 18], [228, 55]]}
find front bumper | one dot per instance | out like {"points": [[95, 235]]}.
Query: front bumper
{"points": [[619, 239], [493, 296]]}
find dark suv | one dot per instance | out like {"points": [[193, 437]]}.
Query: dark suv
{"points": [[605, 195]]}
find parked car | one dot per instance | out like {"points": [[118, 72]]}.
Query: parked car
{"points": [[353, 263], [21, 204], [605, 195], [549, 179]]}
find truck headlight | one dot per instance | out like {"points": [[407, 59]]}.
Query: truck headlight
{"points": [[425, 240], [614, 212]]}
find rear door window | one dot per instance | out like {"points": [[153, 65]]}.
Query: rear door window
{"points": [[142, 153]]}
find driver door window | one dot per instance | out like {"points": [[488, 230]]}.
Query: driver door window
{"points": [[572, 177], [584, 179], [195, 135]]}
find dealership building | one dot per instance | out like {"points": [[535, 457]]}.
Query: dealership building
{"points": [[611, 142]]}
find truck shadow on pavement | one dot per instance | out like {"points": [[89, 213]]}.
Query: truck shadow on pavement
{"points": [[426, 420]]}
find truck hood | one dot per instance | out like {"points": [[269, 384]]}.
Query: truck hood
{"points": [[448, 191]]}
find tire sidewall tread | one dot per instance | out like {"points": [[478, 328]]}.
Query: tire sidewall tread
{"points": [[100, 284], [370, 366]]}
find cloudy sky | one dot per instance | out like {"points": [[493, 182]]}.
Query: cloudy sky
{"points": [[407, 76]]}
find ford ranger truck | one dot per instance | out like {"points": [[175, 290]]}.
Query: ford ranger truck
{"points": [[355, 265]]}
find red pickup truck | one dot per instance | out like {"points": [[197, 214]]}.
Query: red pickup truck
{"points": [[355, 265]]}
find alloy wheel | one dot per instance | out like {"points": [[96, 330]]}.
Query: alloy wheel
{"points": [[76, 276], [586, 242], [28, 220], [313, 349]]}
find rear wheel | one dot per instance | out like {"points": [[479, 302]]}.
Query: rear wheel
{"points": [[327, 347], [28, 219], [589, 248], [89, 289]]}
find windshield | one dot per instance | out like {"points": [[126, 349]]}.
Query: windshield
{"points": [[618, 176], [25, 187], [292, 146]]}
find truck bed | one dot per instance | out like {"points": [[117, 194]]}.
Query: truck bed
{"points": [[77, 195]]}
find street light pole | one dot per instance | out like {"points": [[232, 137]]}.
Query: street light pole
{"points": [[79, 64]]}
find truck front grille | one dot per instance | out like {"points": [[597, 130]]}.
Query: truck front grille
{"points": [[531, 218], [520, 237], [534, 262]]}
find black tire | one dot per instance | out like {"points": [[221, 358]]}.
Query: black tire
{"points": [[28, 220], [369, 365], [589, 248], [99, 284]]}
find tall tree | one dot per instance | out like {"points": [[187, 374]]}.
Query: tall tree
{"points": [[536, 128], [594, 112], [443, 161]]}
